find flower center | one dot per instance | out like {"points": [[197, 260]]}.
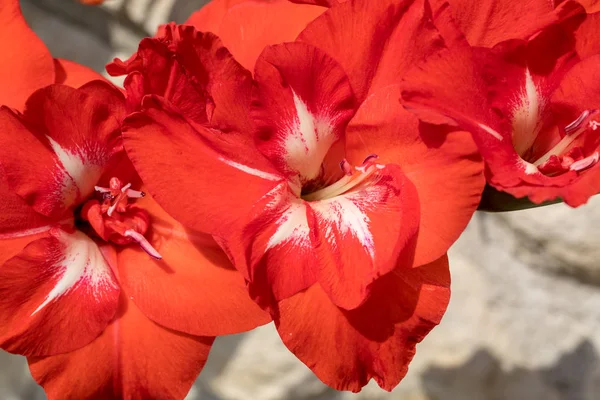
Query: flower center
{"points": [[572, 152], [353, 177], [114, 219]]}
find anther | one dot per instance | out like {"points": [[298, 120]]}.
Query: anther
{"points": [[135, 194], [585, 162], [575, 125], [346, 167], [370, 157], [101, 189]]}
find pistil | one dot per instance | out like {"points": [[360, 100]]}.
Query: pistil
{"points": [[143, 242], [116, 220]]}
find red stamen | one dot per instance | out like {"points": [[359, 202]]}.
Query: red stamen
{"points": [[573, 131], [353, 177], [115, 220]]}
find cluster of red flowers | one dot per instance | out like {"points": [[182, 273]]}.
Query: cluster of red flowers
{"points": [[307, 163]]}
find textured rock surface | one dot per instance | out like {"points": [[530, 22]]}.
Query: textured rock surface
{"points": [[523, 322]]}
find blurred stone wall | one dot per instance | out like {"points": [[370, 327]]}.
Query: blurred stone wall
{"points": [[523, 322]]}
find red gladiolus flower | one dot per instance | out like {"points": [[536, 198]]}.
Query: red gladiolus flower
{"points": [[333, 204], [26, 62], [106, 295], [532, 106]]}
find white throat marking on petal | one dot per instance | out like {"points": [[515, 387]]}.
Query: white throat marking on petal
{"points": [[249, 170], [82, 261], [491, 131], [83, 172], [526, 118], [347, 217], [292, 226], [530, 168], [307, 141]]}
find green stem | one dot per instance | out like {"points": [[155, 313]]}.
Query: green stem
{"points": [[493, 200]]}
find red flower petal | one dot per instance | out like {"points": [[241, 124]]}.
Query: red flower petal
{"points": [[301, 107], [587, 40], [9, 247], [235, 21], [450, 84], [155, 70], [249, 27], [444, 167], [57, 295], [209, 17], [72, 74], [217, 75], [276, 250], [591, 6], [26, 62], [578, 91], [357, 242], [367, 37], [193, 71], [489, 22], [133, 358], [213, 178], [194, 288], [19, 223], [323, 3], [345, 349], [17, 218], [344, 242], [69, 137]]}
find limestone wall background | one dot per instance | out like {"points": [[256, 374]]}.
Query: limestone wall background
{"points": [[524, 319]]}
